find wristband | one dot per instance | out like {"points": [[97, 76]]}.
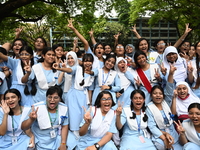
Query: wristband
{"points": [[62, 143]]}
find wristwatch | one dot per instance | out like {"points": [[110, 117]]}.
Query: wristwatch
{"points": [[97, 146]]}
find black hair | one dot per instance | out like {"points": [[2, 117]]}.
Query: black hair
{"points": [[96, 45], [24, 43], [44, 51], [43, 40], [54, 47], [86, 57], [145, 118], [30, 51], [3, 51], [55, 89], [100, 95], [16, 92], [194, 105], [198, 67], [110, 56], [138, 43], [157, 87], [138, 53], [116, 47], [157, 41]]}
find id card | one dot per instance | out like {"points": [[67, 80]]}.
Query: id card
{"points": [[52, 134], [14, 140], [141, 139]]}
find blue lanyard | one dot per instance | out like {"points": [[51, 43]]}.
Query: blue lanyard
{"points": [[13, 126], [104, 81]]}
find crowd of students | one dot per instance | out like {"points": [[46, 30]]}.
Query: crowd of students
{"points": [[132, 97]]}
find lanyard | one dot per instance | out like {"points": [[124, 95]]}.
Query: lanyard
{"points": [[104, 81], [52, 122], [13, 126]]}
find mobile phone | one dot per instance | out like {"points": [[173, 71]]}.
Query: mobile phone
{"points": [[121, 91]]}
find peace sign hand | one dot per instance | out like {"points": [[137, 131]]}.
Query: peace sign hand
{"points": [[70, 25], [157, 74], [91, 32], [163, 69], [187, 29], [63, 64], [172, 69], [180, 128], [5, 107], [33, 114], [189, 67], [87, 116], [27, 66], [137, 81], [134, 28], [119, 108], [116, 36]]}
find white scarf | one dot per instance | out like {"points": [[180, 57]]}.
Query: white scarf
{"points": [[68, 77], [24, 114], [190, 132], [182, 105], [133, 124], [20, 73], [42, 81], [43, 117], [181, 72], [158, 116], [100, 126], [108, 80], [125, 83]]}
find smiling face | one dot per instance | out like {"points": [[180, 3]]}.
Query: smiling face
{"points": [[119, 50], [157, 96], [107, 49], [182, 91], [129, 49], [70, 61], [194, 115], [138, 101], [161, 45], [49, 57], [59, 52], [39, 44], [172, 57], [52, 101], [109, 63], [105, 103], [16, 47], [12, 100], [141, 60], [25, 56], [143, 46]]}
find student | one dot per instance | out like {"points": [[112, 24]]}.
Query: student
{"points": [[48, 121], [133, 118], [98, 125], [11, 116], [18, 71], [189, 130]]}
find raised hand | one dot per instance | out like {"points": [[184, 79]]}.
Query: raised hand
{"points": [[18, 31], [184, 55], [75, 43], [134, 28], [163, 69], [172, 69], [63, 64], [189, 67], [119, 108], [187, 29], [70, 23], [56, 66], [91, 32], [157, 74], [116, 36], [179, 126], [33, 114], [5, 107], [87, 116], [175, 93], [27, 66], [137, 81]]}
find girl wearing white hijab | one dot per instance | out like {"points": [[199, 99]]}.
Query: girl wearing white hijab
{"points": [[183, 97], [65, 78], [127, 83], [171, 55]]}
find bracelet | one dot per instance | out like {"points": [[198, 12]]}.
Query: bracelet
{"points": [[62, 143]]}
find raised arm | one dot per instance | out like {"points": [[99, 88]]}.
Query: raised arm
{"points": [[6, 110], [85, 42], [91, 32], [18, 32], [135, 31], [182, 38], [116, 37], [118, 116], [173, 106]]}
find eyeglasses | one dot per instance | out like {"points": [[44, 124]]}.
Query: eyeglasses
{"points": [[163, 44], [24, 54], [120, 46], [185, 45], [54, 98], [108, 99]]}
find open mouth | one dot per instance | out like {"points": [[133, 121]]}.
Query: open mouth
{"points": [[52, 105], [11, 104]]}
